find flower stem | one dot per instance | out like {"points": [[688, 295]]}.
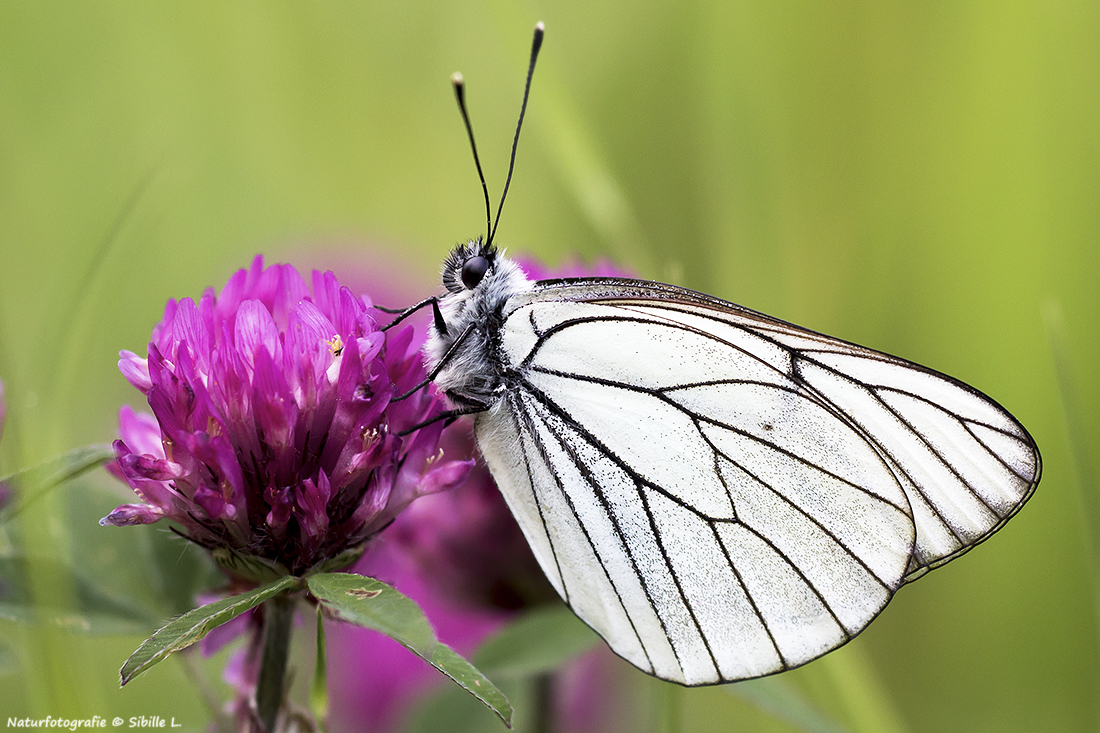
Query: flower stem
{"points": [[278, 620], [542, 704]]}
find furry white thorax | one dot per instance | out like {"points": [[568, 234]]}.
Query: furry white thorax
{"points": [[472, 370]]}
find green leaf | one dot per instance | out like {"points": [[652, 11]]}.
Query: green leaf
{"points": [[374, 605], [780, 698], [35, 482], [184, 631], [538, 641], [83, 606]]}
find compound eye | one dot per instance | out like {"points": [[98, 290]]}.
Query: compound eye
{"points": [[473, 270]]}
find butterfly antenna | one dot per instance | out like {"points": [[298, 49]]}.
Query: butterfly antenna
{"points": [[536, 44], [460, 95]]}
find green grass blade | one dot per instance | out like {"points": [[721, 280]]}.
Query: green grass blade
{"points": [[33, 483], [781, 699], [89, 608]]}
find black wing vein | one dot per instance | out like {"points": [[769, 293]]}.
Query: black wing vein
{"points": [[787, 500], [572, 508], [516, 412], [639, 481], [661, 394]]}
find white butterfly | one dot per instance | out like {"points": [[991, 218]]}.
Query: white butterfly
{"points": [[718, 493]]}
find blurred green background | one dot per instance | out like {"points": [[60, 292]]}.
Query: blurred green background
{"points": [[923, 178]]}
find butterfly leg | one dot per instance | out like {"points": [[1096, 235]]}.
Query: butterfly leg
{"points": [[440, 324]]}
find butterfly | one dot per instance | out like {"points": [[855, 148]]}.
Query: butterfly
{"points": [[720, 494]]}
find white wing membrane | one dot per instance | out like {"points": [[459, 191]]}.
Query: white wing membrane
{"points": [[722, 495]]}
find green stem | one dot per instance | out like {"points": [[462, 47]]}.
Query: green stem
{"points": [[318, 694], [278, 620]]}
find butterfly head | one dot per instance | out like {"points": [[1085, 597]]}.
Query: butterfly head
{"points": [[479, 274], [467, 265]]}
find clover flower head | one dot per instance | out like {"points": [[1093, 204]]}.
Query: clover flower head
{"points": [[273, 434]]}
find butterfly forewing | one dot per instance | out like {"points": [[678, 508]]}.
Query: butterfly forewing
{"points": [[966, 465]]}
